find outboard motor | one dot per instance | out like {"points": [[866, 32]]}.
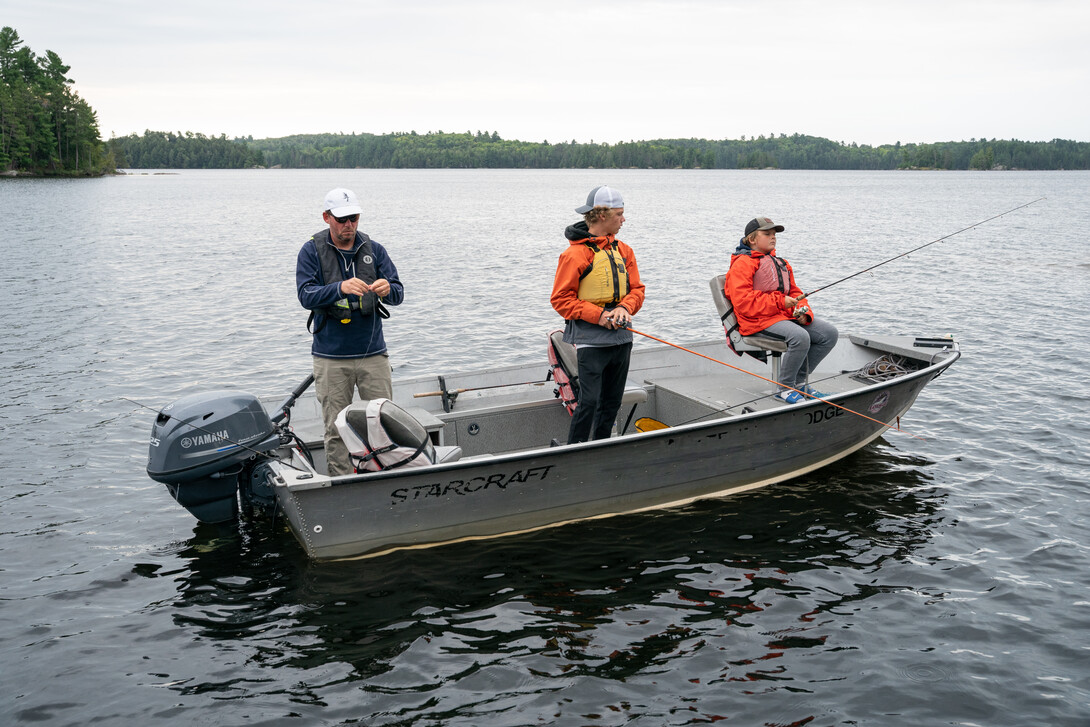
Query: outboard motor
{"points": [[200, 445]]}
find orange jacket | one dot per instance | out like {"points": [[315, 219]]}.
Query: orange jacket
{"points": [[573, 262], [756, 310]]}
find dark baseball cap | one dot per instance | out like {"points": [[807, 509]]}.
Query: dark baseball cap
{"points": [[761, 223]]}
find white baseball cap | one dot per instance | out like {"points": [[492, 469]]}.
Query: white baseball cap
{"points": [[601, 197], [341, 202]]}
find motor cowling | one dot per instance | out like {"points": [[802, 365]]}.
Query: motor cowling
{"points": [[200, 444]]}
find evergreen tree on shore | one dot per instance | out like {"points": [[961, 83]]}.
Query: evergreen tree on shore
{"points": [[167, 150], [45, 127]]}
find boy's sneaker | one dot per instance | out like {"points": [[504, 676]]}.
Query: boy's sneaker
{"points": [[811, 391], [791, 397]]}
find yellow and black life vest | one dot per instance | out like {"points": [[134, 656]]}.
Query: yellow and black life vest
{"points": [[605, 282]]}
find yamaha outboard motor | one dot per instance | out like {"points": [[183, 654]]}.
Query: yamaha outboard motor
{"points": [[200, 445]]}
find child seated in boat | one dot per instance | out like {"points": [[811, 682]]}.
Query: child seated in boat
{"points": [[761, 287]]}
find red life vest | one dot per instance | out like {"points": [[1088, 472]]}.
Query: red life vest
{"points": [[564, 368]]}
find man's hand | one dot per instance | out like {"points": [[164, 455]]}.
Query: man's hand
{"points": [[381, 287], [355, 286]]}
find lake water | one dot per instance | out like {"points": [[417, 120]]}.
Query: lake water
{"points": [[942, 581]]}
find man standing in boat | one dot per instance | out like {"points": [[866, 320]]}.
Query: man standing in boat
{"points": [[344, 278], [597, 290]]}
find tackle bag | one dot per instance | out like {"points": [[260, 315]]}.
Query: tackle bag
{"points": [[380, 435], [564, 368]]}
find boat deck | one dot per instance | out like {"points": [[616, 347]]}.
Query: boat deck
{"points": [[500, 472], [685, 399], [513, 409]]}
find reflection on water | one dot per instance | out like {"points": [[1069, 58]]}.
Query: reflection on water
{"points": [[612, 600], [940, 581]]}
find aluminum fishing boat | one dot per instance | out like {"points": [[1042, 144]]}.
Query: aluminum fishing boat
{"points": [[485, 445]]}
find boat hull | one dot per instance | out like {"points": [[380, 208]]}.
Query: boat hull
{"points": [[359, 516]]}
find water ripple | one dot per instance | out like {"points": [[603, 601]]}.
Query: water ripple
{"points": [[917, 582]]}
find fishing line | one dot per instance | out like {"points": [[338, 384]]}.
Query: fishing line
{"points": [[944, 237], [736, 368]]}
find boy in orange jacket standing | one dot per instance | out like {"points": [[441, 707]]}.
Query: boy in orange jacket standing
{"points": [[597, 290]]}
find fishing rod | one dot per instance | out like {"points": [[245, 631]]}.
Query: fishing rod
{"points": [[450, 392], [737, 368], [451, 395], [944, 237]]}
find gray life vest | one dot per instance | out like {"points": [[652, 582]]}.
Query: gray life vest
{"points": [[331, 268]]}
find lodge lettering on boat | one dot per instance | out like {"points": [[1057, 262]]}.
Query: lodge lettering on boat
{"points": [[822, 415], [496, 480]]}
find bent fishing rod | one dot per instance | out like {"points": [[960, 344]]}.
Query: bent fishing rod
{"points": [[738, 368], [944, 237]]}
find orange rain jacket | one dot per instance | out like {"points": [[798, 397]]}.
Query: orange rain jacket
{"points": [[756, 310], [574, 261]]}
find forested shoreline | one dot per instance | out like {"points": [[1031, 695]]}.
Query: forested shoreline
{"points": [[797, 151], [487, 150], [47, 129]]}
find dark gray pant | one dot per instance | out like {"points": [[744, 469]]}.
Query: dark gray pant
{"points": [[806, 347]]}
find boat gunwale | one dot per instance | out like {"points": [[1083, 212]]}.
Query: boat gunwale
{"points": [[316, 480]]}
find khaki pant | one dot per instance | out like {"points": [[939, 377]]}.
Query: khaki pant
{"points": [[334, 382]]}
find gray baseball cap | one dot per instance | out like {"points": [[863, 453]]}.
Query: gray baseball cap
{"points": [[761, 223], [601, 197]]}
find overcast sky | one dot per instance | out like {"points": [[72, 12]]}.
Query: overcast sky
{"points": [[869, 72]]}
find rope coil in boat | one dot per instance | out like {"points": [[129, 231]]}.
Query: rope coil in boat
{"points": [[885, 367]]}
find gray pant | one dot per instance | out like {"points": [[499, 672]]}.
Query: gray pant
{"points": [[335, 379], [806, 347]]}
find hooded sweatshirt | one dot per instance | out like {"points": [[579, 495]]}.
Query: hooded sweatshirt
{"points": [[757, 309], [581, 316]]}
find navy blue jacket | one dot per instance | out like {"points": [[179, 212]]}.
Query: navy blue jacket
{"points": [[363, 336]]}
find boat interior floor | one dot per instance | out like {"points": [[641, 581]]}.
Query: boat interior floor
{"points": [[718, 395], [506, 410]]}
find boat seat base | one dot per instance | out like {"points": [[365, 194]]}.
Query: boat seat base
{"points": [[740, 344], [447, 454]]}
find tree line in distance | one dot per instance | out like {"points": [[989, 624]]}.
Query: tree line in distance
{"points": [[47, 129]]}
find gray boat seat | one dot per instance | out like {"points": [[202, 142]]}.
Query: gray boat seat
{"points": [[399, 427], [739, 343], [565, 352], [405, 429], [634, 393]]}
